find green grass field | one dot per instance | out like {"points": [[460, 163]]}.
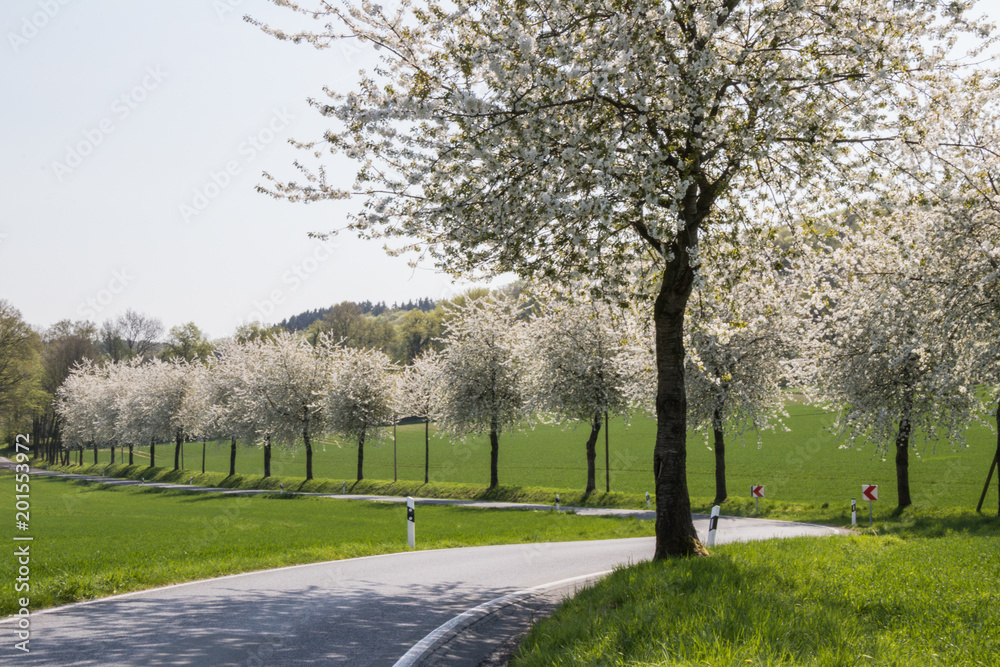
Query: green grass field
{"points": [[916, 590], [92, 540], [802, 465]]}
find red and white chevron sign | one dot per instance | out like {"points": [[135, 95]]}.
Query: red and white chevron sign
{"points": [[757, 491], [869, 491]]}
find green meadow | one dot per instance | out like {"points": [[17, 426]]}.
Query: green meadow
{"points": [[804, 464]]}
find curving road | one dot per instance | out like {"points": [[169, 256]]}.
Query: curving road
{"points": [[364, 611]]}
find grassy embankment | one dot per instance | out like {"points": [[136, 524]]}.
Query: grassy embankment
{"points": [[91, 540], [919, 589]]}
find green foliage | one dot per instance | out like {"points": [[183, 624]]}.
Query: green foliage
{"points": [[926, 596], [187, 342], [94, 540]]}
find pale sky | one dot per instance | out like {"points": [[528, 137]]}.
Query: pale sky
{"points": [[134, 135]]}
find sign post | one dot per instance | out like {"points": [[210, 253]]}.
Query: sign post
{"points": [[870, 493], [411, 537], [713, 524], [854, 512], [757, 492]]}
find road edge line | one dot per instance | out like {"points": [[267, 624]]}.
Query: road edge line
{"points": [[457, 624]]}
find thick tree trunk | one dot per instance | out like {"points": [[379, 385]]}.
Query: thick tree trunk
{"points": [[131, 454], [95, 454], [112, 454], [595, 429], [427, 451], [232, 457], [998, 457], [267, 457], [309, 453], [903, 460], [361, 456], [721, 492], [179, 441], [152, 454], [675, 533]]}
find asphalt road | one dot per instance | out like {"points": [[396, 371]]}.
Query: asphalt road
{"points": [[365, 611]]}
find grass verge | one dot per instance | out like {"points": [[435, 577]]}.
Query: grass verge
{"points": [[918, 588], [94, 540], [452, 490]]}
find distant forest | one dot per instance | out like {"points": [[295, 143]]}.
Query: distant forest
{"points": [[302, 321]]}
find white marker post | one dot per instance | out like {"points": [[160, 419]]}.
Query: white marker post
{"points": [[713, 524], [854, 512], [411, 533]]}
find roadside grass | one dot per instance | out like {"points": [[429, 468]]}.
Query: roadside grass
{"points": [[93, 540], [916, 589], [801, 466], [451, 490]]}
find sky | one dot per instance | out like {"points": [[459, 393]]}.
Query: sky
{"points": [[134, 136]]}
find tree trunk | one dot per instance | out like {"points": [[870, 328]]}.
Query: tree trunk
{"points": [[903, 457], [177, 450], [998, 457], [595, 429], [204, 446], [112, 454], [152, 454], [675, 533], [232, 457], [427, 450], [494, 454], [309, 453], [361, 456], [95, 453], [267, 457], [720, 460], [131, 458]]}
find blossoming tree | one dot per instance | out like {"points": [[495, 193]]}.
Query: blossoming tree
{"points": [[564, 139], [480, 390], [888, 358], [417, 387], [571, 372], [358, 401]]}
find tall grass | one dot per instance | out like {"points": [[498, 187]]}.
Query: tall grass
{"points": [[916, 590]]}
